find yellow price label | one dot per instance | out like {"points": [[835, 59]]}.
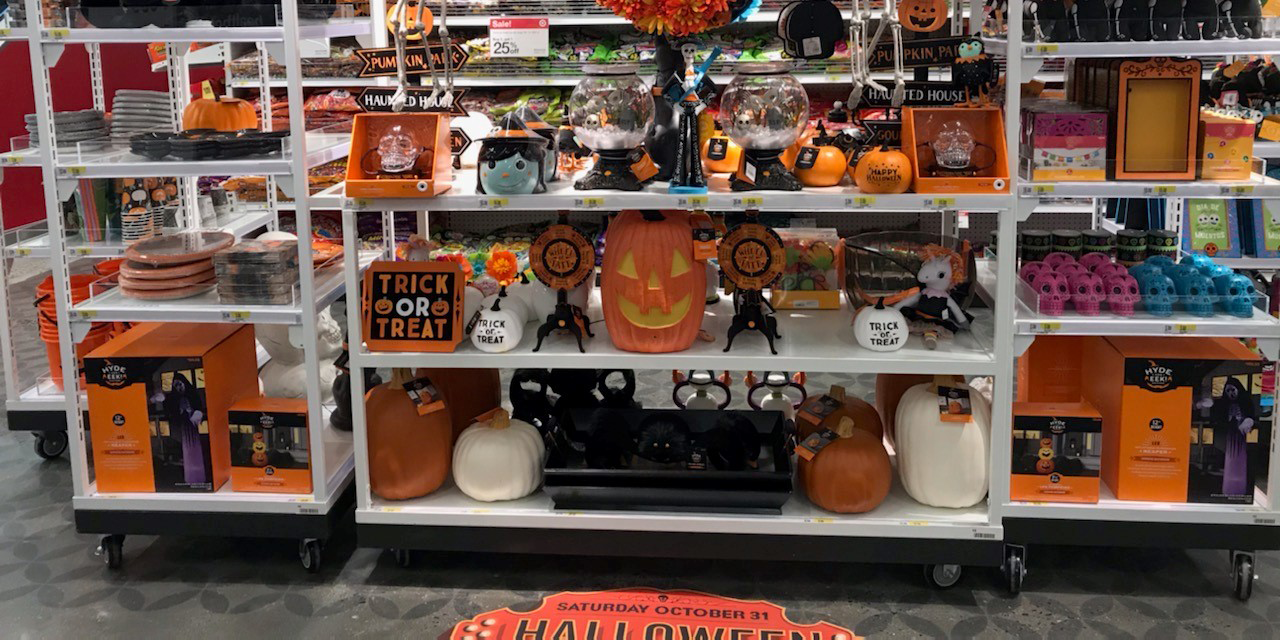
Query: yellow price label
{"points": [[80, 251], [1044, 48], [1180, 329], [822, 520], [87, 313], [494, 203], [22, 251], [694, 202], [831, 77], [861, 201], [479, 510], [1046, 327], [940, 202], [1161, 189], [303, 499], [1237, 190], [57, 33], [571, 513], [917, 523], [359, 204], [589, 203], [1042, 189], [75, 171], [10, 160], [749, 202], [391, 509], [235, 316], [6, 32]]}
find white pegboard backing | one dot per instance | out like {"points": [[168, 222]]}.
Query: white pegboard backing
{"points": [[982, 224], [845, 222]]}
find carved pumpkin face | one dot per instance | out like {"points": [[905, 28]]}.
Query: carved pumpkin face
{"points": [[923, 15], [653, 291], [880, 171], [1046, 453], [1044, 466]]}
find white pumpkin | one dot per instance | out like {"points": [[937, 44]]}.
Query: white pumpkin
{"points": [[942, 464], [512, 303], [498, 460], [498, 329], [880, 328]]}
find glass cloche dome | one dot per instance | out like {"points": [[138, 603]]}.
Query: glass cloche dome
{"points": [[611, 108], [764, 107]]}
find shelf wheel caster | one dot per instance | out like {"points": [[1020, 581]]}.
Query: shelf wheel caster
{"points": [[51, 444], [943, 576], [111, 550], [1242, 573], [1015, 568], [309, 551], [404, 557]]}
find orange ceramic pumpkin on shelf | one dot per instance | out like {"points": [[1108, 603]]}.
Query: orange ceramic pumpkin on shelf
{"points": [[923, 15], [828, 410], [467, 392], [881, 171], [409, 454], [851, 474], [221, 114], [819, 163], [720, 154], [652, 290]]}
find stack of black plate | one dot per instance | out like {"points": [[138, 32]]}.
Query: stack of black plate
{"points": [[207, 144]]}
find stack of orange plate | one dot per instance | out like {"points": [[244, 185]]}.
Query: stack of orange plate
{"points": [[172, 266]]}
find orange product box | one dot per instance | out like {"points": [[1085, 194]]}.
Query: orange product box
{"points": [[158, 400], [270, 449], [1049, 370], [1057, 452], [932, 135], [1153, 393], [426, 134]]}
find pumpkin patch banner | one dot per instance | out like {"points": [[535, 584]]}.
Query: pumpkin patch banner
{"points": [[644, 614], [412, 306]]}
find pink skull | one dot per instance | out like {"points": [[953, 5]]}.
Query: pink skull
{"points": [[1058, 258], [1092, 261], [1087, 294], [1071, 270], [1122, 293], [1053, 292], [1105, 271], [1030, 269]]}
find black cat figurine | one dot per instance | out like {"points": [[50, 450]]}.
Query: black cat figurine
{"points": [[664, 438], [733, 444]]}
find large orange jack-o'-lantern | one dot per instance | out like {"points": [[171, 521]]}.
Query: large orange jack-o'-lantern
{"points": [[923, 15], [651, 288]]}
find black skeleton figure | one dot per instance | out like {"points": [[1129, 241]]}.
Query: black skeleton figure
{"points": [[1051, 23], [1132, 20], [1091, 20], [1166, 19], [1241, 18], [1200, 20]]}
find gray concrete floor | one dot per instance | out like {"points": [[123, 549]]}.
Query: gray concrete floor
{"points": [[53, 586]]}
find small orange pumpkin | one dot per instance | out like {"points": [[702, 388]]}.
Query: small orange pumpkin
{"points": [[826, 166], [410, 19], [851, 474], [221, 114], [881, 171], [923, 15], [728, 151]]}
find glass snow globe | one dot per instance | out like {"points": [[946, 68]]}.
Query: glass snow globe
{"points": [[764, 110], [611, 111]]}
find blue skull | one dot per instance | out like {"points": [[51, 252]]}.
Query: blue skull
{"points": [[1157, 295], [1235, 293], [1216, 271], [1197, 294], [1160, 261], [1198, 261], [1141, 271], [1179, 273]]}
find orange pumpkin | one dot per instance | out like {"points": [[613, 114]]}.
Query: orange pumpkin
{"points": [[409, 454], [826, 411], [652, 290], [410, 19], [820, 166], [923, 15], [881, 171], [728, 160], [223, 114], [851, 474]]}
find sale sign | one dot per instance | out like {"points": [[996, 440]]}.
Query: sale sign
{"points": [[413, 306], [519, 37], [648, 614]]}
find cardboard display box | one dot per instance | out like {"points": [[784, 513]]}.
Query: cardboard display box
{"points": [[433, 171], [1057, 452], [270, 449], [1181, 418], [158, 400]]}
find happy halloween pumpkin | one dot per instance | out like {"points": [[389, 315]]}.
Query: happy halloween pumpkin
{"points": [[923, 15], [651, 288], [881, 171]]}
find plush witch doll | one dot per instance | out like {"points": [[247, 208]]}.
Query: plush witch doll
{"points": [[511, 159]]}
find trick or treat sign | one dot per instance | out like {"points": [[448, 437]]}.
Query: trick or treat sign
{"points": [[413, 306], [644, 614]]}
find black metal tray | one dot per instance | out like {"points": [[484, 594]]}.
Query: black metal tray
{"points": [[651, 487]]}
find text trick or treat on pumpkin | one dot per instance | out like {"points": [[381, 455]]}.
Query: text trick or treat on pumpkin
{"points": [[413, 306]]}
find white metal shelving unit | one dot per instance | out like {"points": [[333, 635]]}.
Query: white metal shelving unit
{"points": [[1239, 528], [307, 517]]}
